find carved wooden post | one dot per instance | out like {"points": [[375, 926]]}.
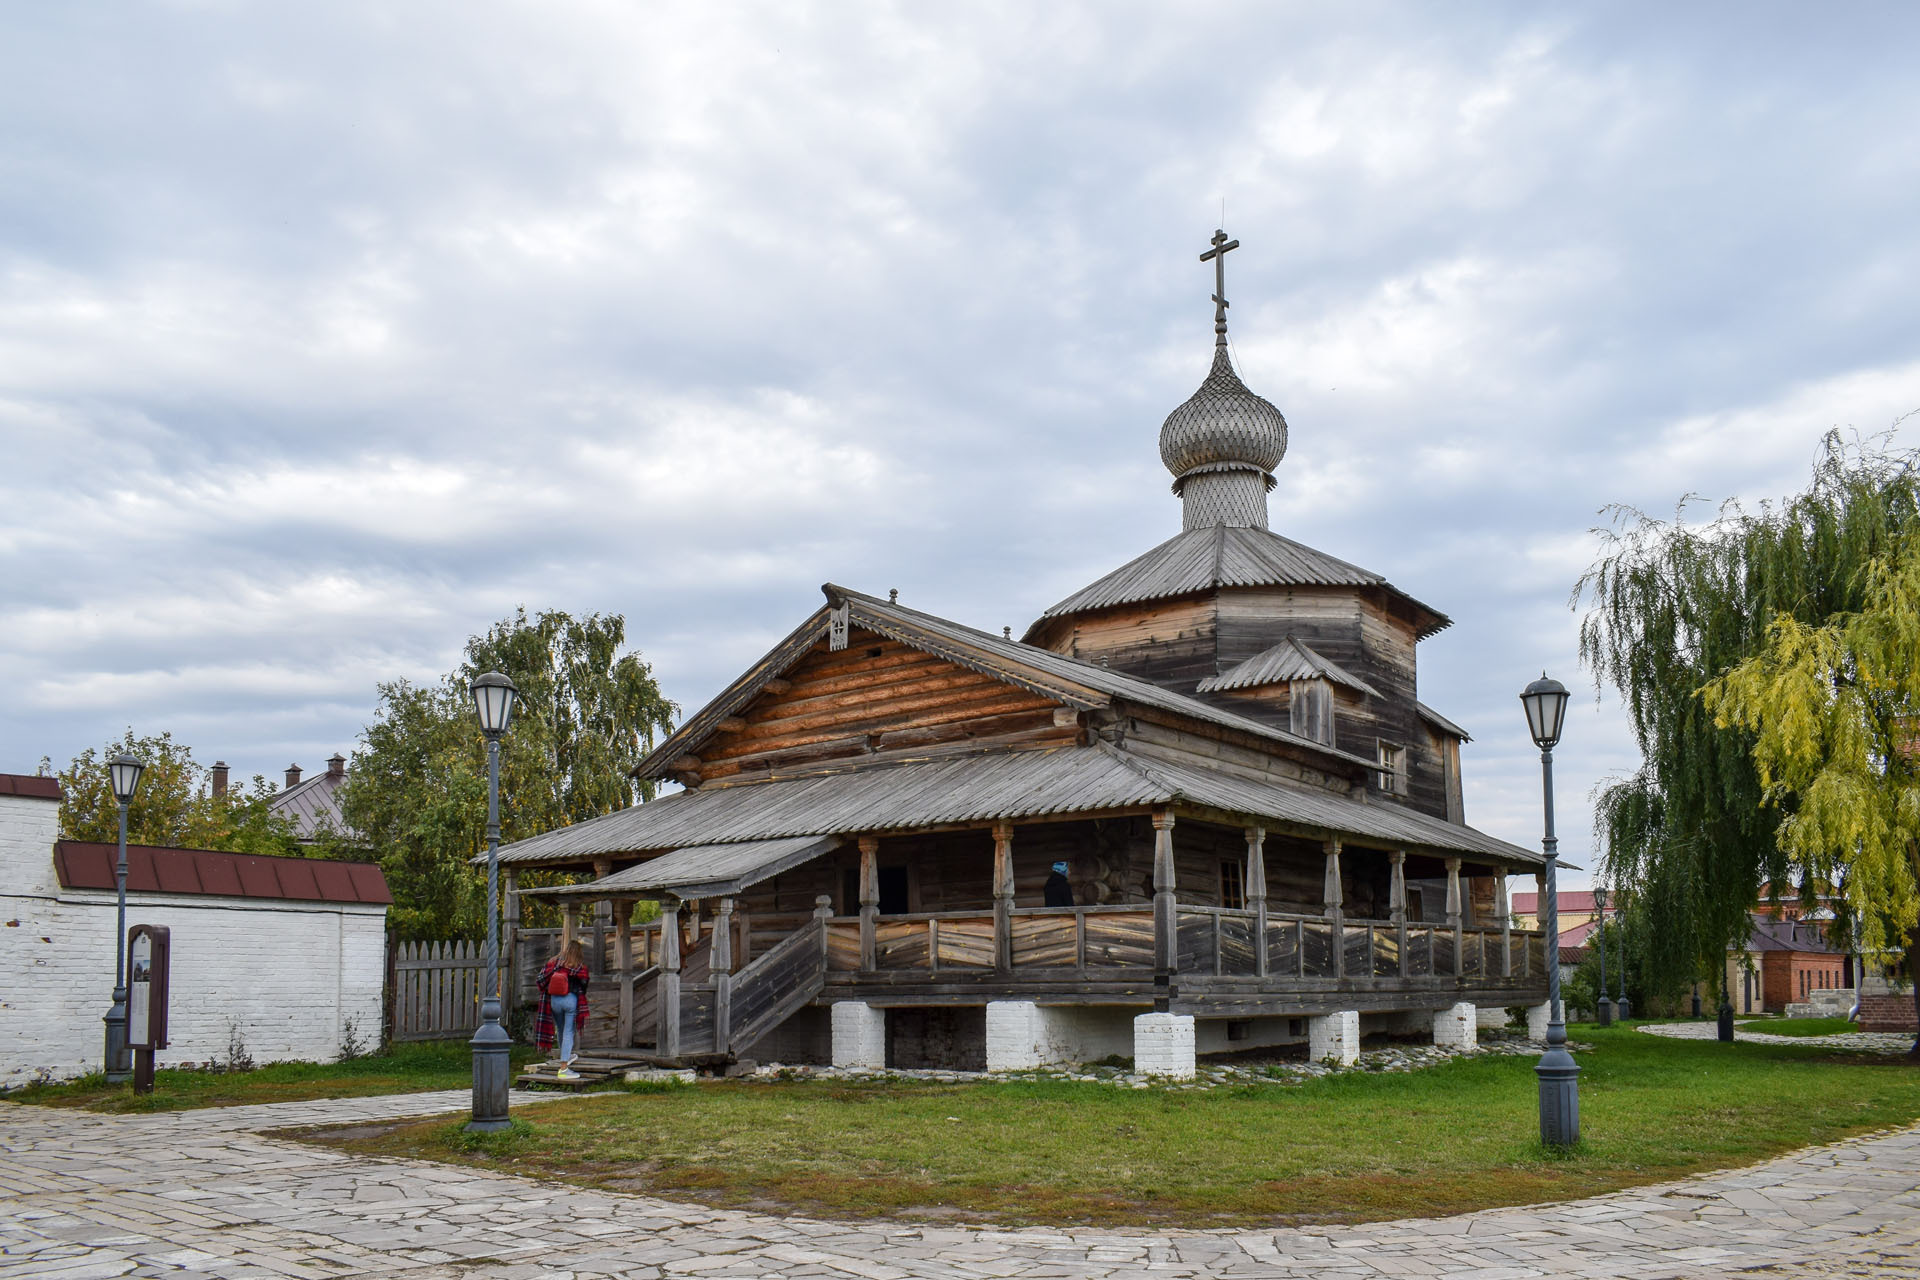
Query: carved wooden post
{"points": [[1003, 896], [723, 976], [602, 916], [623, 961], [1453, 915], [1257, 895], [1539, 906], [1397, 902], [569, 922], [510, 940], [667, 1035], [1506, 921], [869, 899], [1335, 897], [1166, 923], [822, 912]]}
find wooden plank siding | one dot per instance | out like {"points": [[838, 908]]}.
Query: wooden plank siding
{"points": [[874, 700]]}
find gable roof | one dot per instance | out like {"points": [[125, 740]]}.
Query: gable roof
{"points": [[1288, 660], [1440, 722], [1069, 681], [967, 789], [83, 864], [313, 804], [703, 870], [1221, 555]]}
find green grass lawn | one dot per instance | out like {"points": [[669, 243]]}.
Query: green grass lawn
{"points": [[1344, 1148], [1799, 1026], [405, 1069]]}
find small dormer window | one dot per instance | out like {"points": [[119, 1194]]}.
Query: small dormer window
{"points": [[1392, 776], [1310, 709]]}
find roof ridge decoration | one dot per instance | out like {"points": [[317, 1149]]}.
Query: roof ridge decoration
{"points": [[1223, 443], [1289, 660]]}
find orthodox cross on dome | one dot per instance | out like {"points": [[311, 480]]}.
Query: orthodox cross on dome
{"points": [[1218, 256]]}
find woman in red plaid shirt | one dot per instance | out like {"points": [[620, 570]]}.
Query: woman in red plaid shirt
{"points": [[563, 1004]]}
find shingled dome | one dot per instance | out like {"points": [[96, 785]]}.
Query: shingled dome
{"points": [[1222, 426]]}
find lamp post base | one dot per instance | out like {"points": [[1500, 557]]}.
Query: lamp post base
{"points": [[1559, 1097], [116, 1061], [1603, 1012], [1621, 1009], [1726, 1022], [492, 1064]]}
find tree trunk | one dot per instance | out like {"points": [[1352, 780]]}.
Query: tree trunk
{"points": [[1913, 972]]}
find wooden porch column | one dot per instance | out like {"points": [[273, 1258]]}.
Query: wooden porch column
{"points": [[1397, 902], [1335, 898], [569, 922], [1453, 914], [822, 912], [623, 962], [510, 940], [1003, 896], [723, 976], [1256, 892], [1166, 922], [667, 1034], [602, 915], [1506, 922], [869, 898]]}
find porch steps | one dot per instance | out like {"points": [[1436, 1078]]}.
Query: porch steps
{"points": [[597, 1069]]}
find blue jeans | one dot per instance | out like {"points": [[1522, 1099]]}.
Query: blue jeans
{"points": [[563, 1011]]}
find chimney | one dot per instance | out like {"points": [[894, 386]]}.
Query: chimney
{"points": [[293, 776], [219, 773], [336, 765]]}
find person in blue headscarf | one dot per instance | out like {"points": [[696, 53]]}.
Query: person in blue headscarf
{"points": [[1059, 888]]}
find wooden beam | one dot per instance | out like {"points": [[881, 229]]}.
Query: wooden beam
{"points": [[1454, 919], [1166, 926], [723, 977], [1333, 895], [732, 724], [623, 962], [667, 1034], [1397, 901], [1003, 897], [779, 684], [869, 899], [1506, 923], [1256, 895]]}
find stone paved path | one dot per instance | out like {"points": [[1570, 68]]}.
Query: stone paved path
{"points": [[1869, 1041], [201, 1194]]}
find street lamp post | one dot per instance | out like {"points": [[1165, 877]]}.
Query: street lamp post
{"points": [[493, 699], [1603, 1009], [1620, 1007], [1545, 702], [123, 773]]}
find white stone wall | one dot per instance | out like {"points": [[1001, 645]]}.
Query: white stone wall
{"points": [[1334, 1038], [1457, 1027], [287, 976], [859, 1035], [1022, 1035], [1163, 1045]]}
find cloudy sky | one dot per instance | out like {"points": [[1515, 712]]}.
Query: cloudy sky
{"points": [[331, 333]]}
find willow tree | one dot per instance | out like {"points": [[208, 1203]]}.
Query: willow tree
{"points": [[1672, 607], [1834, 711]]}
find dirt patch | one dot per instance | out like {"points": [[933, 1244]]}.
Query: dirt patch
{"points": [[349, 1133]]}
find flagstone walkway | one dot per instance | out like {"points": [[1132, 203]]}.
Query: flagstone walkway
{"points": [[1892, 1042], [189, 1194]]}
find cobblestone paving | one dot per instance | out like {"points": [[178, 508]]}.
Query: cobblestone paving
{"points": [[1868, 1041], [200, 1193]]}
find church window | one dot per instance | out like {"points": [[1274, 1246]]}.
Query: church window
{"points": [[1233, 892], [1393, 769], [1310, 709]]}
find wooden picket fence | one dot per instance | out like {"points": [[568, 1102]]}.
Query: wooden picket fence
{"points": [[435, 989]]}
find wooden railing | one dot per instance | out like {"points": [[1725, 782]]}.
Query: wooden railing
{"points": [[1218, 941]]}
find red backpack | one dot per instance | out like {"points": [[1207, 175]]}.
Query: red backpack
{"points": [[557, 982]]}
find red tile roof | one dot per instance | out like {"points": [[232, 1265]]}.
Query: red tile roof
{"points": [[83, 864], [27, 784]]}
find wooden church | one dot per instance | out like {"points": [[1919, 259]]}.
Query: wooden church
{"points": [[1197, 808]]}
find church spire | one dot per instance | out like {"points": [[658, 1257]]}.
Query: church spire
{"points": [[1224, 442]]}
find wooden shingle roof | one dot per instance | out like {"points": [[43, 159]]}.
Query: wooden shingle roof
{"points": [[1289, 660], [1228, 556]]}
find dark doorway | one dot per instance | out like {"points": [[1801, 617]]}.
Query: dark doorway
{"points": [[893, 891]]}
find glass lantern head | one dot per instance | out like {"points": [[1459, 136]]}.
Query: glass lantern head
{"points": [[1545, 701], [493, 698]]}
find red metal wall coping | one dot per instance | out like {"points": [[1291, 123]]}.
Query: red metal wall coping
{"points": [[83, 864], [27, 784]]}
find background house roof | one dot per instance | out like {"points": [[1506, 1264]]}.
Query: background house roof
{"points": [[82, 864], [28, 784], [313, 803]]}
